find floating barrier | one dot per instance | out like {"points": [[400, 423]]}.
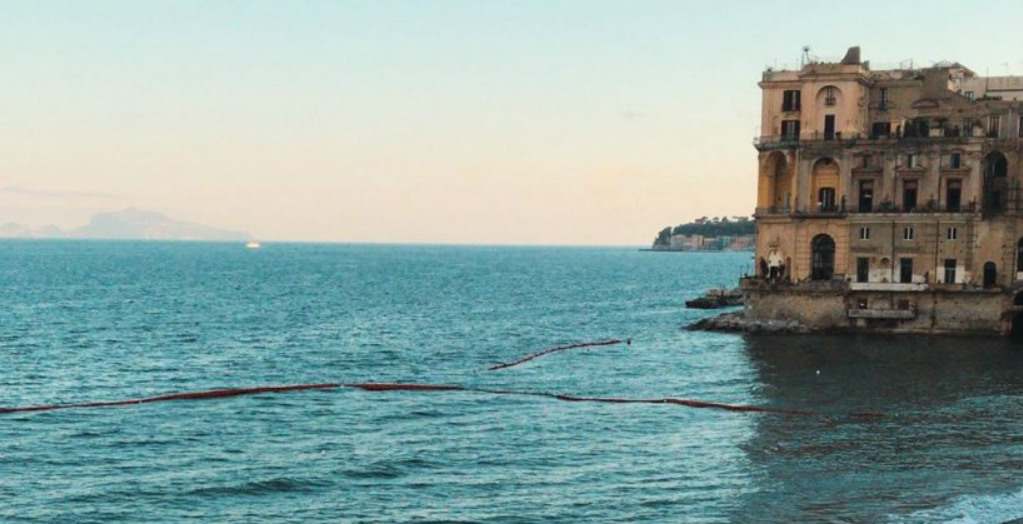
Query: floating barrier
{"points": [[407, 386], [527, 358], [196, 395], [402, 386]]}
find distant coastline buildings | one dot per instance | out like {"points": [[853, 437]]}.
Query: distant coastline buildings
{"points": [[889, 200], [702, 243], [708, 234]]}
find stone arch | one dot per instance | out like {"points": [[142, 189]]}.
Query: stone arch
{"points": [[822, 263], [829, 95], [996, 182], [824, 185]]}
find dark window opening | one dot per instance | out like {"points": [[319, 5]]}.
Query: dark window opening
{"points": [[953, 195], [826, 200], [829, 127], [863, 269], [883, 103], [990, 275], [909, 191], [790, 100], [823, 260], [881, 129], [994, 126], [995, 182], [919, 128], [906, 270], [790, 129], [866, 204], [1019, 255], [950, 271], [955, 161]]}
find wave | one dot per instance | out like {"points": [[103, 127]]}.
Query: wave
{"points": [[263, 486], [975, 509]]}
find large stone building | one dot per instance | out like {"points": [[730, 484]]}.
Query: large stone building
{"points": [[890, 200]]}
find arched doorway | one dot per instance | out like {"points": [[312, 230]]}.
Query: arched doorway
{"points": [[990, 274], [825, 185], [823, 258], [996, 182], [1017, 317]]}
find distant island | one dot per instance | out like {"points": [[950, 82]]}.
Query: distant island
{"points": [[708, 234], [127, 224]]}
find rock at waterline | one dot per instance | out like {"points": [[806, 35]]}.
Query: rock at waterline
{"points": [[738, 323]]}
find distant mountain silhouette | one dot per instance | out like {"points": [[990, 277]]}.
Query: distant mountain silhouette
{"points": [[127, 224]]}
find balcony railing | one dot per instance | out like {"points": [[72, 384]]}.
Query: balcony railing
{"points": [[883, 208], [778, 141]]}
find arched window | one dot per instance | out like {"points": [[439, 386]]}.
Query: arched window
{"points": [[823, 263], [990, 274]]}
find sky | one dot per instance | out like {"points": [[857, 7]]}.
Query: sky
{"points": [[587, 122]]}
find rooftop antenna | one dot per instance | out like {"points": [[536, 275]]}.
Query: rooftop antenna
{"points": [[805, 59]]}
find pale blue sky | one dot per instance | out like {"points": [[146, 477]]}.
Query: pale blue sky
{"points": [[582, 122]]}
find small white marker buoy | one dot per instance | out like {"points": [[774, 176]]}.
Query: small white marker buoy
{"points": [[818, 372]]}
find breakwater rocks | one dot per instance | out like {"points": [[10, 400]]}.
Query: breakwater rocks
{"points": [[738, 323]]}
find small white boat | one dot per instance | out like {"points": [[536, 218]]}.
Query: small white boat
{"points": [[252, 244]]}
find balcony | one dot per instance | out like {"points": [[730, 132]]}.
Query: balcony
{"points": [[768, 142]]}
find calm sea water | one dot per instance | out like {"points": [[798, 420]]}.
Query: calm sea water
{"points": [[109, 320]]}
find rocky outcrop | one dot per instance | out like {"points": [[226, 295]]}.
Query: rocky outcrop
{"points": [[738, 323]]}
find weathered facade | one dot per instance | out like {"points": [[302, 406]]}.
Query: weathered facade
{"points": [[889, 200]]}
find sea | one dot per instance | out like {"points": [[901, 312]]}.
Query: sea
{"points": [[97, 321]]}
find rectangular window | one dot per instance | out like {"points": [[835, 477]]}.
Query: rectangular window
{"points": [[863, 269], [867, 161], [1021, 126], [790, 100], [908, 233], [913, 160], [994, 126], [952, 233], [955, 161], [864, 233], [790, 129], [906, 270], [883, 103], [950, 271], [970, 95], [830, 131], [909, 191], [866, 196], [953, 195], [880, 130]]}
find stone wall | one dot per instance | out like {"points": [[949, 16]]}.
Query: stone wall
{"points": [[934, 311]]}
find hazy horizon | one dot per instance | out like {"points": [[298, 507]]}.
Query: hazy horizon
{"points": [[447, 123]]}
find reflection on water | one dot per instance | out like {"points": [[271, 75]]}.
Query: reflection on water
{"points": [[952, 425]]}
